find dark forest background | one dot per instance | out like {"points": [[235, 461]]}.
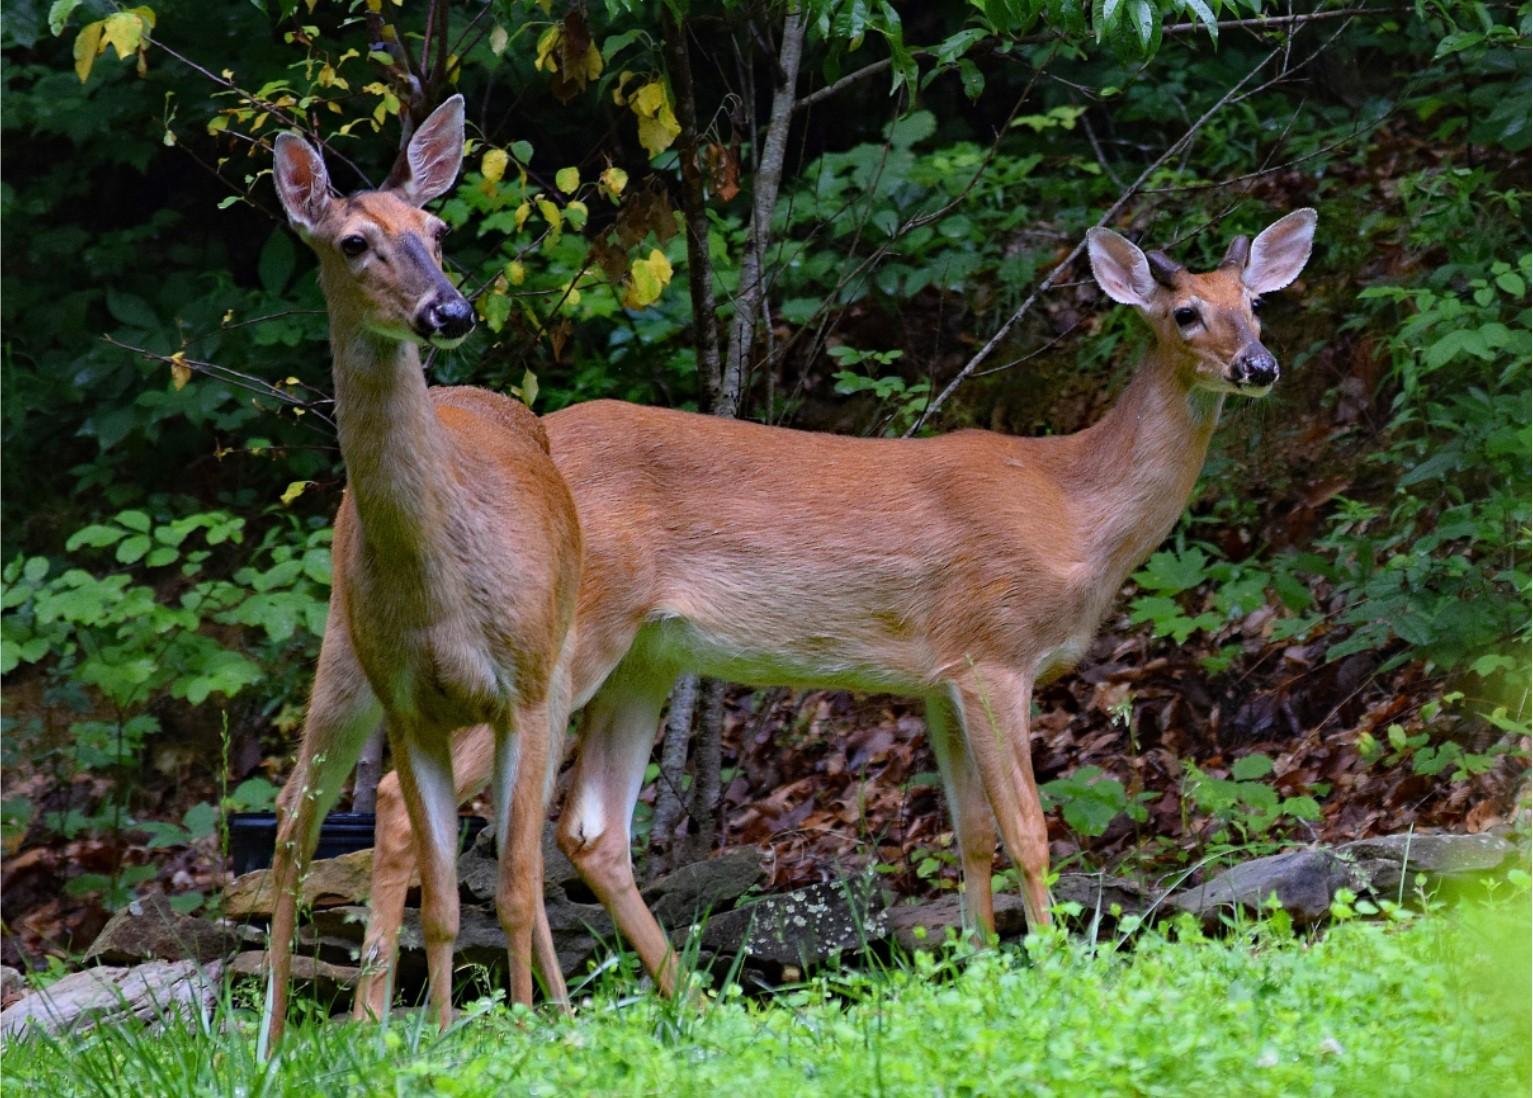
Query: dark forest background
{"points": [[1333, 643]]}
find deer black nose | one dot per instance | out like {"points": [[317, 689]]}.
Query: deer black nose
{"points": [[1255, 368], [450, 317]]}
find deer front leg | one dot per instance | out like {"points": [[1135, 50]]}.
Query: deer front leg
{"points": [[520, 784], [615, 743], [343, 712], [993, 703], [973, 824], [394, 865], [423, 761]]}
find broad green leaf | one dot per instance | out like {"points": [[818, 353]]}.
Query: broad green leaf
{"points": [[1250, 767], [567, 179]]}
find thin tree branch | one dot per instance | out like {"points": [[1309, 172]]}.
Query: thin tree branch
{"points": [[694, 213], [765, 184]]}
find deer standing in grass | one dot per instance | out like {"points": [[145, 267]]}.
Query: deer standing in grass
{"points": [[456, 564], [965, 570]]}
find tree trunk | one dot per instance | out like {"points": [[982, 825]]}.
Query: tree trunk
{"points": [[364, 790], [673, 769]]}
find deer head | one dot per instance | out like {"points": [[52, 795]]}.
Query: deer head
{"points": [[1206, 323], [380, 253]]}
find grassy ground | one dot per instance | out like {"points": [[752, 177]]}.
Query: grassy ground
{"points": [[1434, 1006]]}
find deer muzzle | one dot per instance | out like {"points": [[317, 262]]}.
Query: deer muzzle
{"points": [[445, 319], [1253, 368]]}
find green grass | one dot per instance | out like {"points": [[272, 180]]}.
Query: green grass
{"points": [[1434, 1006]]}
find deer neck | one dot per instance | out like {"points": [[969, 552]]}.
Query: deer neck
{"points": [[398, 458], [1140, 463]]}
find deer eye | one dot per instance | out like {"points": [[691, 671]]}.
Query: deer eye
{"points": [[439, 233], [353, 246], [1257, 304], [1186, 316]]}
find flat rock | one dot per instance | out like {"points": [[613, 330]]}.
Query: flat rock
{"points": [[1389, 861], [694, 891], [330, 881], [328, 980], [936, 917], [1304, 881], [1099, 892], [150, 929], [13, 986], [802, 927], [148, 992]]}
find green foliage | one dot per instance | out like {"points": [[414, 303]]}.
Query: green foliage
{"points": [[1090, 802], [1243, 801], [1433, 1006]]}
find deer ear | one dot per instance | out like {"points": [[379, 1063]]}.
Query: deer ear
{"points": [[434, 154], [1120, 268], [1280, 252], [303, 185]]}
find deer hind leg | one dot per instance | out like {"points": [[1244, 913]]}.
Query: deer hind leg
{"points": [[424, 763], [616, 739], [993, 703], [972, 820], [394, 865], [343, 712]]}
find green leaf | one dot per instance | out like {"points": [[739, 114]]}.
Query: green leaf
{"points": [[200, 820], [130, 309], [567, 179], [275, 266], [1171, 573], [521, 150], [95, 536], [134, 520], [1249, 767], [130, 550], [58, 15]]}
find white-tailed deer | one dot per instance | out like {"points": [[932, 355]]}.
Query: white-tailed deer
{"points": [[964, 569], [456, 564]]}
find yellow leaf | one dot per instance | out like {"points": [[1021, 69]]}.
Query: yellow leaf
{"points": [[523, 212], [180, 372], [548, 43], [145, 13], [516, 272], [550, 214], [656, 134], [576, 212], [646, 279], [567, 179], [648, 99], [612, 182], [593, 66], [494, 164], [619, 94], [293, 491], [529, 387], [87, 46], [499, 39], [123, 30]]}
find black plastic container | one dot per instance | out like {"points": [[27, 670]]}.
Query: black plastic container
{"points": [[253, 836]]}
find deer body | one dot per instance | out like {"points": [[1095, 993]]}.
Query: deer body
{"points": [[964, 570], [455, 568]]}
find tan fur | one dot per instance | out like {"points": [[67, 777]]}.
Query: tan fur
{"points": [[456, 565], [963, 570]]}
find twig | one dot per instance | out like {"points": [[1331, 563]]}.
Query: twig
{"points": [[229, 376]]}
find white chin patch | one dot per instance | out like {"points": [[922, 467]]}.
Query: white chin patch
{"points": [[446, 344]]}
